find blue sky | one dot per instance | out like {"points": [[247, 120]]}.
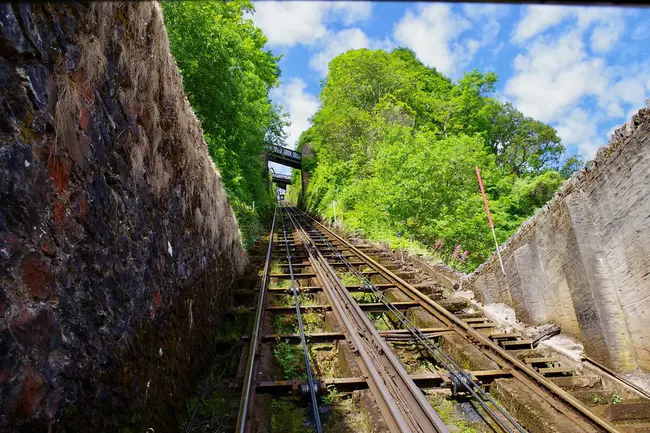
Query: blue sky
{"points": [[584, 70]]}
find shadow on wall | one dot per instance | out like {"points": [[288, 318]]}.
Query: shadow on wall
{"points": [[118, 248], [583, 260]]}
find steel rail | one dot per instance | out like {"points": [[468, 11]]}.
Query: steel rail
{"points": [[617, 377], [303, 341], [454, 369], [521, 371], [462, 377], [255, 337], [403, 405], [387, 406]]}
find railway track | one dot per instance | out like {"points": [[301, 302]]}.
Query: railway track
{"points": [[308, 251]]}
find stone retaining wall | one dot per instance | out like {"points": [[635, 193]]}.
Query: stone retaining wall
{"points": [[583, 260], [118, 248]]}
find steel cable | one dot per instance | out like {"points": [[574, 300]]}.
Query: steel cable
{"points": [[303, 341], [461, 376]]}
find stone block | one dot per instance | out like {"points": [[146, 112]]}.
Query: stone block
{"points": [[90, 291], [582, 260]]}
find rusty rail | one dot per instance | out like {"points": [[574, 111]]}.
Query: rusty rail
{"points": [[558, 398], [402, 404], [255, 339]]}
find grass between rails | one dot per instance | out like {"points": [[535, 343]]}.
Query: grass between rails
{"points": [[349, 279], [344, 415], [452, 415], [289, 355]]}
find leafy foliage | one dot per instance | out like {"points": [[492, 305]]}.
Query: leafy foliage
{"points": [[291, 359], [227, 76], [395, 147]]}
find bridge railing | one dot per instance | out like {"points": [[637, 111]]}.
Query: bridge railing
{"points": [[282, 177], [283, 151]]}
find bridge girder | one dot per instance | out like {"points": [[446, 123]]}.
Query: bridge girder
{"points": [[284, 156]]}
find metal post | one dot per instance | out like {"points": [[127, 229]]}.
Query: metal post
{"points": [[489, 215]]}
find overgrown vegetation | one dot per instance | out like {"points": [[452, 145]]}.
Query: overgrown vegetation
{"points": [[291, 359], [349, 279], [345, 414], [288, 323], [227, 76], [451, 416], [287, 418], [396, 144], [212, 405], [381, 321]]}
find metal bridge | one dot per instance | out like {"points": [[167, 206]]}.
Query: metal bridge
{"points": [[281, 180], [284, 156]]}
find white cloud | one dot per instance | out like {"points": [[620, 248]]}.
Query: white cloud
{"points": [[288, 23], [611, 130], [579, 128], [496, 50], [432, 34], [589, 15], [486, 17], [553, 76], [537, 19], [613, 109], [472, 47], [628, 89], [632, 111], [631, 90], [558, 82], [476, 11], [339, 43], [605, 36], [343, 41], [641, 31], [351, 12], [300, 105]]}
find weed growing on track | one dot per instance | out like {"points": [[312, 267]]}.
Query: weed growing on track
{"points": [[365, 297], [345, 414], [287, 418], [450, 414], [381, 321], [349, 279], [291, 359]]}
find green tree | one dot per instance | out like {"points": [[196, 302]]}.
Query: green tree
{"points": [[227, 76], [396, 144], [522, 144]]}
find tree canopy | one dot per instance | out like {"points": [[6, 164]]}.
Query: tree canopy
{"points": [[227, 76], [396, 144]]}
